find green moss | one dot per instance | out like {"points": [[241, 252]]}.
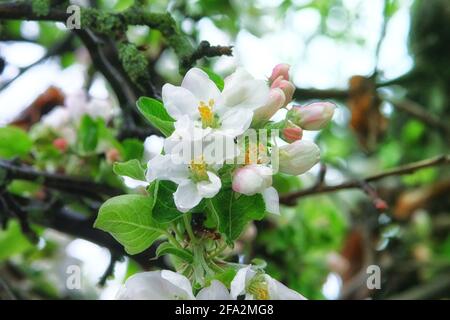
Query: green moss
{"points": [[102, 22], [40, 7], [134, 63]]}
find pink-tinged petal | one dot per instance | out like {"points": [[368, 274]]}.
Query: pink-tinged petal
{"points": [[292, 132], [314, 116], [199, 83], [275, 102], [252, 179], [280, 70]]}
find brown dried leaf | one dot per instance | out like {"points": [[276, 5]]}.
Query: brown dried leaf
{"points": [[364, 103], [42, 105]]}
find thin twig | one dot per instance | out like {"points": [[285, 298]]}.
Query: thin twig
{"points": [[291, 198]]}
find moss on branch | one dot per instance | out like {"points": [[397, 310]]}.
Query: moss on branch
{"points": [[134, 63], [40, 7]]}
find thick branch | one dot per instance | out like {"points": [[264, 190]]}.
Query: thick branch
{"points": [[291, 198]]}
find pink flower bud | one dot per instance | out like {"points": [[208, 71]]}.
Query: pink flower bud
{"points": [[314, 116], [287, 87], [280, 70], [292, 132], [112, 155], [298, 157], [274, 103], [252, 179], [61, 144]]}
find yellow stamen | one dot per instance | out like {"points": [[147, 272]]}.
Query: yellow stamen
{"points": [[255, 154], [258, 288], [198, 168], [206, 113]]}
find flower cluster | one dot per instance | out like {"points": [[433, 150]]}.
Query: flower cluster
{"points": [[216, 165], [64, 120], [206, 117]]}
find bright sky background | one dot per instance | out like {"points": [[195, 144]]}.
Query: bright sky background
{"points": [[323, 63]]}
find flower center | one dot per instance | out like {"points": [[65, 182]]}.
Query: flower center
{"points": [[258, 287], [206, 113], [198, 169], [255, 154]]}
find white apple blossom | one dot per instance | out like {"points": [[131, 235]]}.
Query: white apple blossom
{"points": [[168, 285], [230, 111], [187, 163], [78, 104], [256, 285]]}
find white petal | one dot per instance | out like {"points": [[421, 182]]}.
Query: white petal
{"points": [[179, 101], [216, 291], [199, 83], [133, 183], [162, 167], [236, 120], [76, 103], [239, 283], [208, 189], [271, 199], [186, 197], [179, 281], [186, 133], [57, 119], [152, 286], [237, 77], [250, 94], [97, 108], [278, 291], [153, 145]]}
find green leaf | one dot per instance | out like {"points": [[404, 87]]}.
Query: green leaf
{"points": [[132, 169], [165, 210], [14, 142], [215, 78], [226, 276], [12, 241], [154, 111], [133, 149], [168, 248], [87, 134], [285, 183], [128, 218], [235, 212]]}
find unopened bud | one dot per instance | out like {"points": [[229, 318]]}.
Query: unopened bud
{"points": [[314, 116]]}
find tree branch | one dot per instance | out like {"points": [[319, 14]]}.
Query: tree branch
{"points": [[291, 198], [58, 181]]}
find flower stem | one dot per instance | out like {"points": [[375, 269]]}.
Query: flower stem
{"points": [[172, 240], [187, 223]]}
